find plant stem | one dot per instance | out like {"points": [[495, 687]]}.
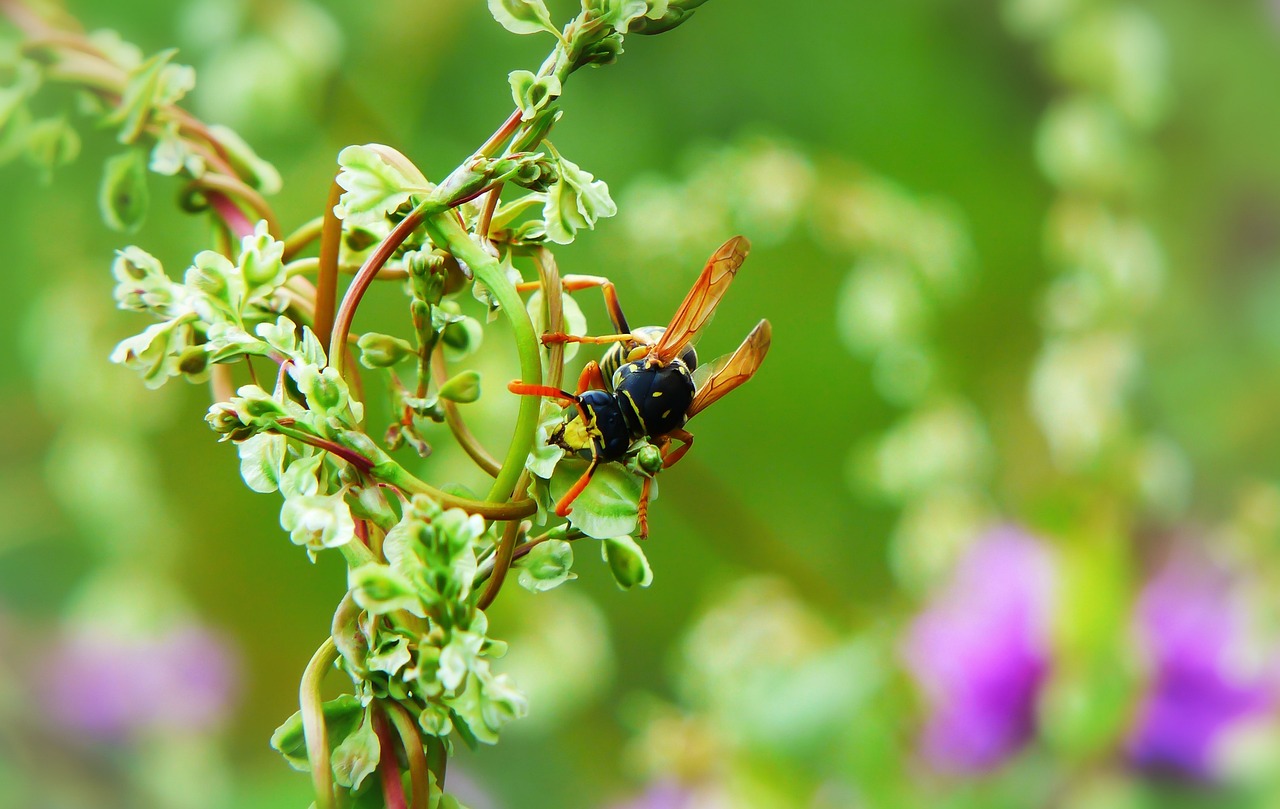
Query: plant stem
{"points": [[466, 439], [313, 726], [446, 232], [411, 742], [327, 279]]}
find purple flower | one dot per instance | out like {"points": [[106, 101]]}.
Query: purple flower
{"points": [[665, 795], [112, 686], [980, 652], [1193, 627]]}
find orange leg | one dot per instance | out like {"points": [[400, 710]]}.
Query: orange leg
{"points": [[671, 459], [577, 283], [553, 337], [591, 378], [522, 389], [565, 506], [644, 508]]}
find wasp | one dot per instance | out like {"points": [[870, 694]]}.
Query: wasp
{"points": [[645, 387]]}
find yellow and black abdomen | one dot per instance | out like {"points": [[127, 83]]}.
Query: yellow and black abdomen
{"points": [[654, 401]]}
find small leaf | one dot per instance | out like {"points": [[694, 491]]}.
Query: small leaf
{"points": [[380, 590], [542, 461], [357, 756], [547, 566], [123, 197], [618, 13], [341, 716], [627, 562], [261, 461], [51, 143], [374, 187], [532, 93], [523, 16], [575, 203]]}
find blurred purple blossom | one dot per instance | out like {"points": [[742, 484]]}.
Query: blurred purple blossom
{"points": [[665, 795], [110, 686], [1208, 676], [980, 652]]}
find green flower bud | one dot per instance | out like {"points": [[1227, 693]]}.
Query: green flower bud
{"points": [[462, 337], [223, 419], [463, 388], [627, 562], [383, 350], [193, 360], [649, 459]]}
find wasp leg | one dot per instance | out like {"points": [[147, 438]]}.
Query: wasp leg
{"points": [[644, 508], [565, 506], [553, 337], [671, 459], [591, 379], [577, 283], [522, 389]]}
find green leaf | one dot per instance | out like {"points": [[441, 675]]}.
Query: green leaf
{"points": [[546, 567], [575, 203], [357, 756], [627, 562], [374, 187], [341, 716], [609, 506], [261, 461], [52, 143], [532, 93], [390, 657], [380, 589], [124, 197], [523, 16], [542, 461], [152, 84], [618, 13]]}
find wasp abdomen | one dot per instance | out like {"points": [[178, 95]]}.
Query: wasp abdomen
{"points": [[654, 400]]}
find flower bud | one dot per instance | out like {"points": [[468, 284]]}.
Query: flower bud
{"points": [[649, 459], [383, 350], [463, 388], [193, 360]]}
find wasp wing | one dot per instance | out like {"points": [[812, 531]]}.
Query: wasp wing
{"points": [[729, 372], [700, 303]]}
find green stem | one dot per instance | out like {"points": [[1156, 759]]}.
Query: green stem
{"points": [[313, 727], [446, 231]]}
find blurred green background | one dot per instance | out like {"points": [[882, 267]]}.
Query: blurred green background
{"points": [[858, 145]]}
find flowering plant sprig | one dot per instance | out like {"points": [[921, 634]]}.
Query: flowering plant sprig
{"points": [[276, 347]]}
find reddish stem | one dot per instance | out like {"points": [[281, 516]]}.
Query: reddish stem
{"points": [[231, 214], [388, 768]]}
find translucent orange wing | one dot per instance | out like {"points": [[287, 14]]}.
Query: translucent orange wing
{"points": [[727, 373], [701, 301]]}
